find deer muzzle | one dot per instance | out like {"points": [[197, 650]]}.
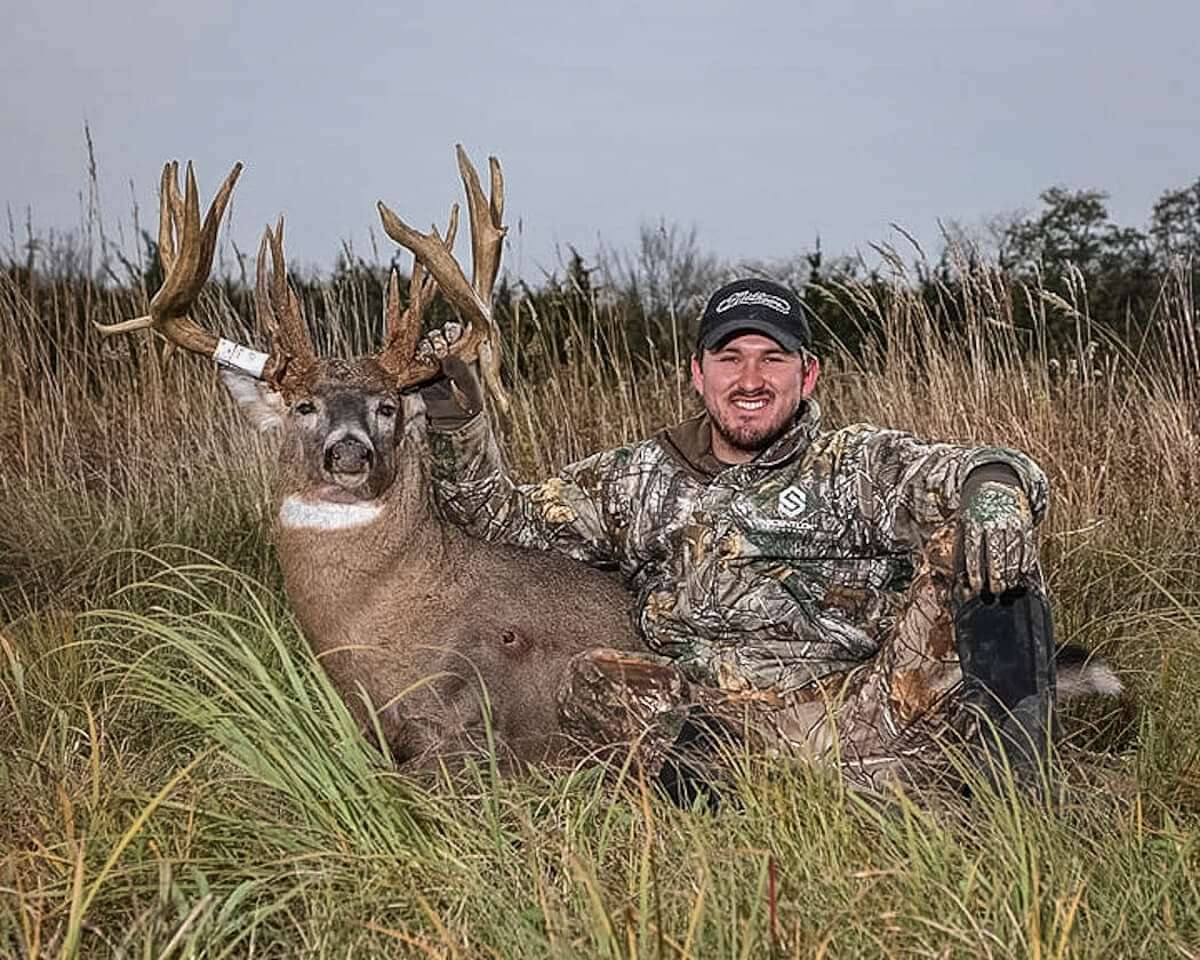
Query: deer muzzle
{"points": [[349, 459]]}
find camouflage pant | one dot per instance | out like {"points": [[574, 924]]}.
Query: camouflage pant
{"points": [[873, 721]]}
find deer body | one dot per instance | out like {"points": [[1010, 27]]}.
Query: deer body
{"points": [[406, 613], [420, 618]]}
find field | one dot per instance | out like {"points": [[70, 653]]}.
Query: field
{"points": [[178, 780]]}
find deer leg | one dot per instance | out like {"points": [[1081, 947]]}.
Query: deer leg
{"points": [[407, 740]]}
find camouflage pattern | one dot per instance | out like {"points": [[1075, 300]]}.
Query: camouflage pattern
{"points": [[876, 721], [768, 575], [640, 702], [998, 537]]}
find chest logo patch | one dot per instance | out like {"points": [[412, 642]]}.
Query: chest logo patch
{"points": [[792, 501]]}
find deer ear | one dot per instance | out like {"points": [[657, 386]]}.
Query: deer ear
{"points": [[263, 406]]}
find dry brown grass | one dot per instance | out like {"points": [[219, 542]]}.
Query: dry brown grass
{"points": [[105, 447]]}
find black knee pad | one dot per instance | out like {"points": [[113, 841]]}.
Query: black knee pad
{"points": [[1006, 647]]}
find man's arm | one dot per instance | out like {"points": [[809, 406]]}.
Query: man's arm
{"points": [[997, 495], [567, 513]]}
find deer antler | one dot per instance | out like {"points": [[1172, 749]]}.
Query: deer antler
{"points": [[403, 331], [278, 310], [472, 300], [185, 248]]}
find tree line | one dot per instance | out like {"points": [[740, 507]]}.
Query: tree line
{"points": [[1068, 249]]}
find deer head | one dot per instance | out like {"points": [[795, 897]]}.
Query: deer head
{"points": [[341, 418]]}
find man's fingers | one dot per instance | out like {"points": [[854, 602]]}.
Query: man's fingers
{"points": [[1027, 561], [462, 399], [445, 338], [432, 346], [436, 344], [997, 560], [972, 547], [1024, 555]]}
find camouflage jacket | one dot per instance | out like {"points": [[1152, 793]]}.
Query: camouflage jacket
{"points": [[770, 573]]}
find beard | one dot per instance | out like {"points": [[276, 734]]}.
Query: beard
{"points": [[750, 438]]}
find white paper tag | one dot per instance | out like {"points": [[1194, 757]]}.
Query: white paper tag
{"points": [[230, 354]]}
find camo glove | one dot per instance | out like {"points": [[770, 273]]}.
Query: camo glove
{"points": [[998, 544], [456, 397]]}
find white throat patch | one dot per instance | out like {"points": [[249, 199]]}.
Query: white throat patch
{"points": [[323, 515]]}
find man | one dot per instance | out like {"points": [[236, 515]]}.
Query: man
{"points": [[837, 587]]}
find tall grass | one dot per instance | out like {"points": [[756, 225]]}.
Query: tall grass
{"points": [[177, 778]]}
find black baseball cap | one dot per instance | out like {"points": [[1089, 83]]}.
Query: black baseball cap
{"points": [[758, 306]]}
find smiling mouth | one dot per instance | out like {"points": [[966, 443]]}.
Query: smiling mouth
{"points": [[750, 406]]}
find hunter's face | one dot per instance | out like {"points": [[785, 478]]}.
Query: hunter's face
{"points": [[752, 389]]}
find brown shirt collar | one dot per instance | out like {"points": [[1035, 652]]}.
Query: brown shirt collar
{"points": [[690, 442]]}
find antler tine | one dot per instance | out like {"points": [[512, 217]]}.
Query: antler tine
{"points": [[391, 307], [497, 191], [487, 229], [403, 330], [290, 330], [169, 220], [167, 214], [262, 288], [451, 227]]}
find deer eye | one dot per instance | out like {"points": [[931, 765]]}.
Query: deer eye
{"points": [[386, 410], [305, 407]]}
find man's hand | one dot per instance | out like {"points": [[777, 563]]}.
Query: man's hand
{"points": [[436, 344], [455, 398], [999, 546]]}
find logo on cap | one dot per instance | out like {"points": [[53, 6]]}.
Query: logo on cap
{"points": [[754, 298]]}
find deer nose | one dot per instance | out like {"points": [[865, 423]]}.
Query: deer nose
{"points": [[348, 455]]}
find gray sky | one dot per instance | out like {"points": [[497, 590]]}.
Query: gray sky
{"points": [[762, 124]]}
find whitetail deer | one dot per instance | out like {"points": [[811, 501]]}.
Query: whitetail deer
{"points": [[398, 606]]}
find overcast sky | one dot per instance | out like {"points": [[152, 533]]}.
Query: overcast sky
{"points": [[764, 125]]}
